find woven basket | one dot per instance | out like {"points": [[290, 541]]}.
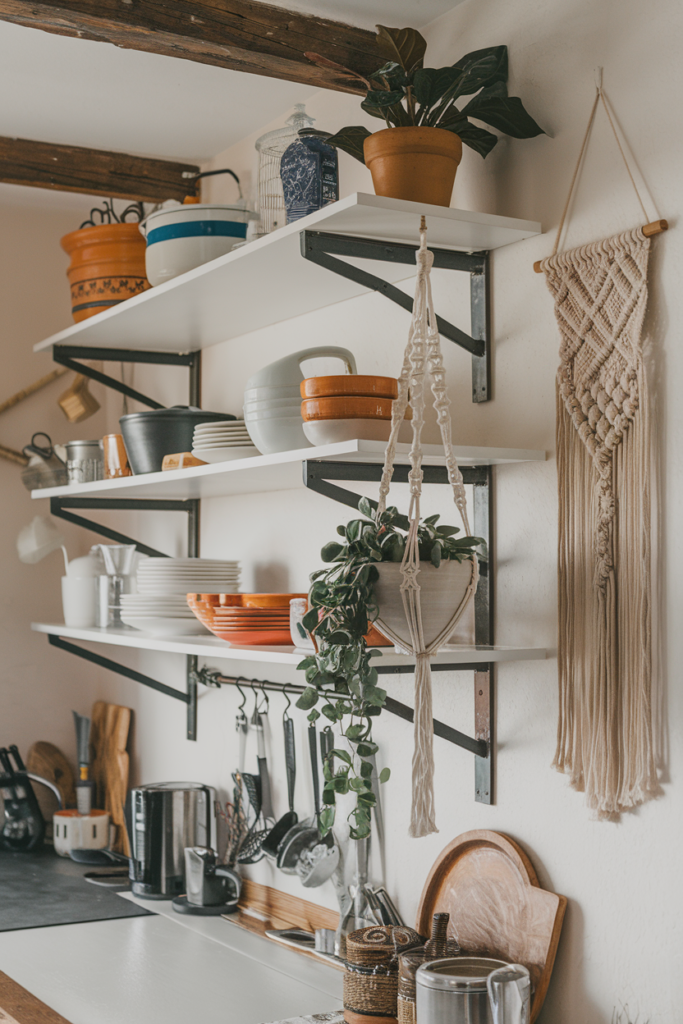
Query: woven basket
{"points": [[370, 947], [371, 991]]}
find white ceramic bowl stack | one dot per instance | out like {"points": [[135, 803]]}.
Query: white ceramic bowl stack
{"points": [[220, 442], [272, 400], [160, 606]]}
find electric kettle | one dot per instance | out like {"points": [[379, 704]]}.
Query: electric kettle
{"points": [[472, 990]]}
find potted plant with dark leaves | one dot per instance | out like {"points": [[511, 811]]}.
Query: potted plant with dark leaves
{"points": [[417, 155], [340, 676]]}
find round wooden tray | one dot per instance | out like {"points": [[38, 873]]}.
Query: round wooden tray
{"points": [[488, 885]]}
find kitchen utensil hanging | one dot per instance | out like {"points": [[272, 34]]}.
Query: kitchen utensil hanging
{"points": [[404, 624]]}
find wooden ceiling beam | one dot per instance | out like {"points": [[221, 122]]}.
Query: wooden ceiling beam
{"points": [[94, 172], [242, 35]]}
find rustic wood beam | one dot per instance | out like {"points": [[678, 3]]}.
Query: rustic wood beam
{"points": [[93, 171], [242, 35]]}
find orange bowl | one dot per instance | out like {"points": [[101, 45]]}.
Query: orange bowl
{"points": [[348, 407], [349, 384], [268, 600]]}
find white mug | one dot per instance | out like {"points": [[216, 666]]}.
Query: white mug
{"points": [[79, 600], [74, 831]]}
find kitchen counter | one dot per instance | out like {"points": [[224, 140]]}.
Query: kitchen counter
{"points": [[171, 968]]}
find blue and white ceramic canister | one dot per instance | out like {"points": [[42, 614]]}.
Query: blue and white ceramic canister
{"points": [[184, 237], [310, 177]]}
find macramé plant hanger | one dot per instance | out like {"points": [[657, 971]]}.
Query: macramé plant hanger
{"points": [[420, 605], [605, 730]]}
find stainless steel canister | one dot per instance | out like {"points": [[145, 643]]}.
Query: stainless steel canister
{"points": [[84, 461], [453, 991]]}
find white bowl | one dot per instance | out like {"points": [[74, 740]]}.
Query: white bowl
{"points": [[294, 402], [290, 412], [184, 237], [278, 434], [320, 432], [270, 391]]}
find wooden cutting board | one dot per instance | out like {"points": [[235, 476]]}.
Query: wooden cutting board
{"points": [[488, 885], [109, 727], [47, 760], [19, 1006]]}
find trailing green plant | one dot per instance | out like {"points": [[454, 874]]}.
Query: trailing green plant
{"points": [[340, 674], [404, 93]]}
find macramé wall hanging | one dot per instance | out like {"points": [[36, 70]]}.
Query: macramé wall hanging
{"points": [[403, 591], [605, 730]]}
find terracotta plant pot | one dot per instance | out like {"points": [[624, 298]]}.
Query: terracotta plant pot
{"points": [[444, 595], [417, 164], [107, 266]]}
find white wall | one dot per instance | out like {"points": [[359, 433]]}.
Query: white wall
{"points": [[38, 687], [621, 940]]}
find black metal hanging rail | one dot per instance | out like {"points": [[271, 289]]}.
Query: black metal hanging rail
{"points": [[71, 356], [323, 247], [210, 677]]}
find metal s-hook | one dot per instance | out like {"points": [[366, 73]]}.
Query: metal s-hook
{"points": [[263, 710], [241, 721], [285, 713]]}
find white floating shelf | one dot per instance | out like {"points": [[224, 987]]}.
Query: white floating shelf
{"points": [[268, 281], [213, 647], [278, 472]]}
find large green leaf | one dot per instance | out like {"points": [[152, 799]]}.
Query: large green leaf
{"points": [[478, 139], [349, 139], [481, 68], [507, 114], [430, 84], [404, 45], [382, 98], [383, 103]]}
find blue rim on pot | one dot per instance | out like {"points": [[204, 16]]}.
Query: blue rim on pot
{"points": [[184, 237]]}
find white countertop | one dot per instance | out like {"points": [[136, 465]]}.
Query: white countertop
{"points": [[166, 969]]}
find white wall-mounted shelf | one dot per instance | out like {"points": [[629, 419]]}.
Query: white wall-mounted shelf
{"points": [[278, 472], [268, 281], [213, 647]]}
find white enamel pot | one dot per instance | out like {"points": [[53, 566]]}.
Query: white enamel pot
{"points": [[444, 595], [184, 237]]}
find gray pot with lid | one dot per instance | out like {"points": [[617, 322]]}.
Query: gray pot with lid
{"points": [[151, 435], [456, 991]]}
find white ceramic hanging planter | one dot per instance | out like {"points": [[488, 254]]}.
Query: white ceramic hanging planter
{"points": [[444, 594]]}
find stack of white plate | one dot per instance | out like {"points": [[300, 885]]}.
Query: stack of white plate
{"points": [[161, 615], [164, 576], [218, 442]]}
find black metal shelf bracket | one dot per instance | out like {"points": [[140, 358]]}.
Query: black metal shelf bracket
{"points": [[190, 506], [317, 474], [323, 248], [189, 697], [71, 356]]}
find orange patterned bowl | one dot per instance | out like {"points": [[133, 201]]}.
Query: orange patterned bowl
{"points": [[348, 407], [229, 617], [349, 384]]}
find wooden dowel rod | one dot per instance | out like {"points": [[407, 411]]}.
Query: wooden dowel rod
{"points": [[655, 227], [32, 388], [12, 456]]}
